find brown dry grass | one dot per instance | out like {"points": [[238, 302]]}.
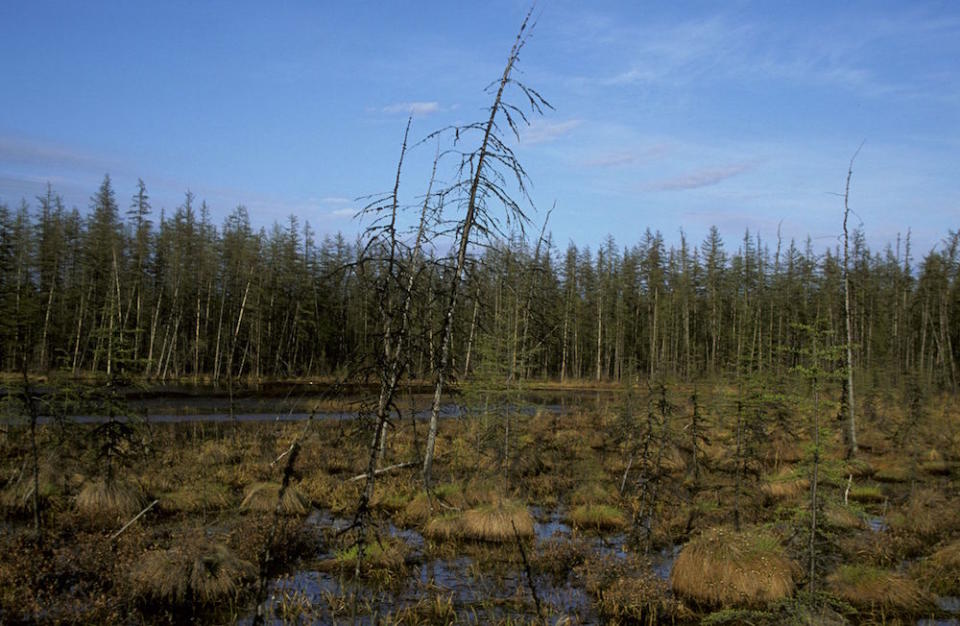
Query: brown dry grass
{"points": [[198, 497], [841, 517], [196, 573], [891, 470], [927, 514], [263, 497], [784, 485], [725, 568], [443, 497], [496, 522], [598, 517], [110, 499], [443, 527], [640, 599], [879, 590], [940, 572], [593, 493]]}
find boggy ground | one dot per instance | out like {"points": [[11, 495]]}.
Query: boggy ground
{"points": [[621, 513]]}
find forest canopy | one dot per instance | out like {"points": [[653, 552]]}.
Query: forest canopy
{"points": [[124, 290]]}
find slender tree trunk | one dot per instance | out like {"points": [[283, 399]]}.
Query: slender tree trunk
{"points": [[466, 227], [153, 331], [851, 422], [46, 326], [599, 330], [473, 328], [563, 351]]}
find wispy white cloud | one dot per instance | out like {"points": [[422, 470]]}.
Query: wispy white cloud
{"points": [[731, 47], [412, 108], [23, 151], [618, 158], [343, 212], [542, 132], [704, 177], [335, 200]]}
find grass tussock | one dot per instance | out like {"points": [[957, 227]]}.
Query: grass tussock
{"points": [[785, 485], [593, 493], [940, 572], [391, 502], [640, 599], [110, 499], [198, 497], [890, 470], [17, 497], [443, 527], [598, 517], [927, 514], [725, 568], [378, 554], [498, 522], [263, 497], [867, 494], [422, 506], [880, 590], [196, 573], [841, 517], [216, 453]]}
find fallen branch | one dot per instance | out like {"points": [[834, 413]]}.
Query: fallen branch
{"points": [[138, 516], [383, 470], [283, 454]]}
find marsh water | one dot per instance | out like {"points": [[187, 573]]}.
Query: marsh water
{"points": [[301, 401], [489, 589]]}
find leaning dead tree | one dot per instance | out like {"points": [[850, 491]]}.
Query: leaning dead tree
{"points": [[483, 177], [396, 268], [851, 422]]}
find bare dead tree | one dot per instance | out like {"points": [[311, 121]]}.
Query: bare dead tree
{"points": [[395, 287], [482, 177], [851, 422]]}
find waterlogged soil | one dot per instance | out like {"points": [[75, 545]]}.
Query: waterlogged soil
{"points": [[487, 590], [547, 452]]}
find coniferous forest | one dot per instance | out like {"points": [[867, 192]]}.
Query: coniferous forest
{"points": [[121, 289]]}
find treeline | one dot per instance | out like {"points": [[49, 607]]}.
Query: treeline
{"points": [[127, 292]]}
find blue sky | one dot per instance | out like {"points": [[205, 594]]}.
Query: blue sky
{"points": [[667, 115]]}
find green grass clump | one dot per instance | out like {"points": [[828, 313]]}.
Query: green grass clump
{"points": [[866, 493], [598, 517], [378, 554]]}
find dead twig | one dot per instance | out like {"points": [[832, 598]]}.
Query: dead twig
{"points": [[382, 470], [135, 518]]}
